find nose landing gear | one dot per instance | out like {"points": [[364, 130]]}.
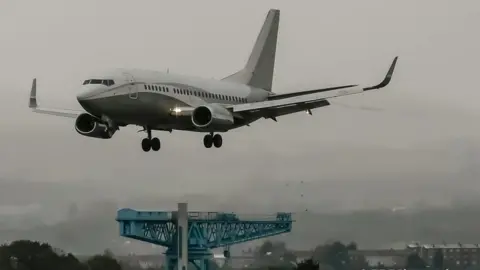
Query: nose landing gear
{"points": [[150, 143], [215, 140]]}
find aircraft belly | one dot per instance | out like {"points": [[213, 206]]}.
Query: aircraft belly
{"points": [[150, 109], [146, 109]]}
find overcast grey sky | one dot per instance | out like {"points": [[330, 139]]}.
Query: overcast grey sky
{"points": [[430, 105]]}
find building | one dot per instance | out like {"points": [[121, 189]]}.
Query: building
{"points": [[455, 255], [379, 258]]}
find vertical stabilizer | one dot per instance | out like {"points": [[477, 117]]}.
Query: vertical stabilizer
{"points": [[258, 72]]}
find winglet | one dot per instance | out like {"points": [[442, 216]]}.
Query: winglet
{"points": [[387, 79], [33, 95]]}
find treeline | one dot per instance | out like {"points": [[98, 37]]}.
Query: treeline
{"points": [[330, 256], [29, 255], [276, 255]]}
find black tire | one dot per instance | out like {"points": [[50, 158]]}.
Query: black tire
{"points": [[155, 143], [217, 140], [146, 145], [208, 141]]}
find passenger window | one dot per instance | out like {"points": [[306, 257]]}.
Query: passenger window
{"points": [[145, 86]]}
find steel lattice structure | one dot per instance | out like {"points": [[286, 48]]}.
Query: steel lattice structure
{"points": [[206, 231]]}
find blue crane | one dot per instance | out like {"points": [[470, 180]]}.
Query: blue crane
{"points": [[206, 231]]}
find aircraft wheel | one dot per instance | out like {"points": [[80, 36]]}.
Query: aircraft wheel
{"points": [[146, 145], [217, 140], [208, 141], [155, 142]]}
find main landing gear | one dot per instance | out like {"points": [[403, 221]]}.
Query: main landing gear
{"points": [[150, 143], [211, 139]]}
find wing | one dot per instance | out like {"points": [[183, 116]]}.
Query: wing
{"points": [[288, 103], [51, 111]]}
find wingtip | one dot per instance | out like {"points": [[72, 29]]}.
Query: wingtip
{"points": [[388, 76], [32, 103]]}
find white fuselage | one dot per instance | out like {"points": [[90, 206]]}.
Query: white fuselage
{"points": [[147, 98]]}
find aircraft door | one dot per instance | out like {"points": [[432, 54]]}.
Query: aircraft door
{"points": [[132, 87]]}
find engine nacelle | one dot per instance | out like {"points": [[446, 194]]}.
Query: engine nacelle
{"points": [[90, 126], [212, 116]]}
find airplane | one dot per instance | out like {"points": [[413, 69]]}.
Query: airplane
{"points": [[163, 101]]}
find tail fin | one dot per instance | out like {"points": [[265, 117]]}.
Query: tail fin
{"points": [[258, 72]]}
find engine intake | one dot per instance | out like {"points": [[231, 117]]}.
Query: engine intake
{"points": [[212, 116], [90, 126]]}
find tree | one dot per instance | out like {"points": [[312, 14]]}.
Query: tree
{"points": [[438, 260], [309, 264], [334, 254], [415, 262], [30, 255], [103, 262]]}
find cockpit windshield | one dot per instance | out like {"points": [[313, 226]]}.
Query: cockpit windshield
{"points": [[98, 81]]}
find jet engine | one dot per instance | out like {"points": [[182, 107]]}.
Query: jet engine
{"points": [[212, 116], [90, 126]]}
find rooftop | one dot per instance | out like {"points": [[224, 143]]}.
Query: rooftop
{"points": [[443, 246]]}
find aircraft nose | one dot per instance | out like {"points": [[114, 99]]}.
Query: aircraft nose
{"points": [[82, 96], [85, 100], [86, 93]]}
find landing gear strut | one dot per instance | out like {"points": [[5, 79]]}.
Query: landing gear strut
{"points": [[149, 142], [215, 140]]}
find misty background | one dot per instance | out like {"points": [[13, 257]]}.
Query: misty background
{"points": [[412, 145]]}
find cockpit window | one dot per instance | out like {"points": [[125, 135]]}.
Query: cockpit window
{"points": [[98, 81], [108, 82]]}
